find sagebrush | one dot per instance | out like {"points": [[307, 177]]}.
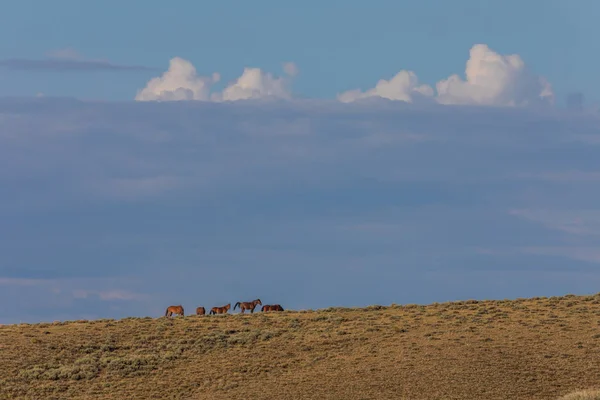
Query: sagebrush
{"points": [[541, 348]]}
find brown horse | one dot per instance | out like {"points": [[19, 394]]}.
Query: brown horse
{"points": [[200, 311], [250, 305], [174, 310], [220, 310], [273, 307]]}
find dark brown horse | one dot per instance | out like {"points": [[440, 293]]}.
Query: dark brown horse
{"points": [[174, 310], [220, 310], [250, 305], [272, 307], [200, 311]]}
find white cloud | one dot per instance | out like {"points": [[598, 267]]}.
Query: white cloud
{"points": [[255, 84], [492, 79], [179, 82], [403, 86], [496, 80]]}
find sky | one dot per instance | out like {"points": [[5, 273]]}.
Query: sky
{"points": [[337, 45], [307, 154]]}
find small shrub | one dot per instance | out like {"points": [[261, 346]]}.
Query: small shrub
{"points": [[335, 309], [295, 323], [374, 308], [243, 338], [268, 335]]}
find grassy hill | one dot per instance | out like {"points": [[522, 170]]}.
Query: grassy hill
{"points": [[540, 348]]}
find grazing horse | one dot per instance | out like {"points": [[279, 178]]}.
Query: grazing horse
{"points": [[220, 310], [273, 307], [250, 305], [174, 310], [200, 311]]}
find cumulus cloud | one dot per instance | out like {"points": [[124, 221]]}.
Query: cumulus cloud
{"points": [[403, 86], [256, 84], [492, 79], [495, 80], [181, 82]]}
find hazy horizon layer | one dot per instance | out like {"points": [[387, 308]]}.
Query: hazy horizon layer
{"points": [[114, 209]]}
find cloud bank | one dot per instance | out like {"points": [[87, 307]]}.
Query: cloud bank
{"points": [[492, 79], [117, 209], [67, 60]]}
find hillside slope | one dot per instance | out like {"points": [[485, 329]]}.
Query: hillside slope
{"points": [[524, 349]]}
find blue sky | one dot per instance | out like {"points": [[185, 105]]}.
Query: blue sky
{"points": [[308, 154], [337, 45]]}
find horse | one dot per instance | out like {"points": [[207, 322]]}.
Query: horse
{"points": [[174, 310], [273, 307], [200, 311], [251, 305], [220, 310]]}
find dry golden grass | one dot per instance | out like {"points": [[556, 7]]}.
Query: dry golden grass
{"points": [[583, 395], [541, 348]]}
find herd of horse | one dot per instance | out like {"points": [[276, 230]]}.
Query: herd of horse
{"points": [[243, 305]]}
